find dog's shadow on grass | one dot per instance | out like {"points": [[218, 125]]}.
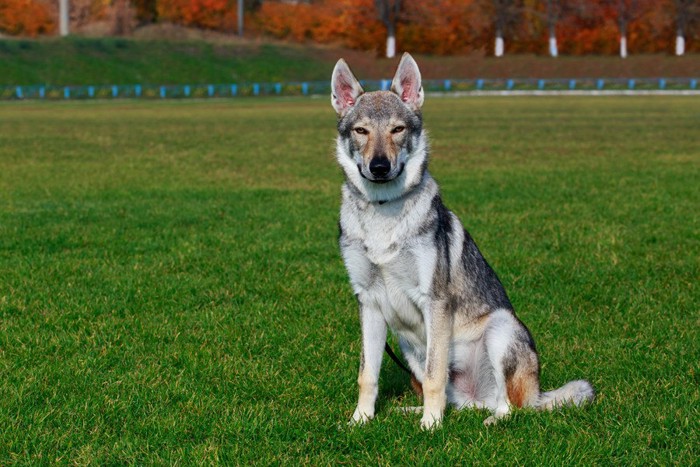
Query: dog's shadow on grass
{"points": [[395, 387]]}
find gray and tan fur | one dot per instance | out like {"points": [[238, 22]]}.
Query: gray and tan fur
{"points": [[416, 270]]}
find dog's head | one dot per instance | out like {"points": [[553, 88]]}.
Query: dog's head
{"points": [[380, 129]]}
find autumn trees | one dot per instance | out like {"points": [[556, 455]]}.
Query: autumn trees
{"points": [[22, 18], [686, 16], [554, 27]]}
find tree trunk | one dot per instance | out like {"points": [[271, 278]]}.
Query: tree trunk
{"points": [[240, 17], [623, 40], [680, 43], [63, 12], [553, 49], [500, 45], [553, 12], [623, 47], [388, 12], [390, 46]]}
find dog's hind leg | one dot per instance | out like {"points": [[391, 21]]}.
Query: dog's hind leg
{"points": [[497, 338], [512, 356]]}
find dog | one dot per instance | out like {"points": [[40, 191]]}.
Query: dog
{"points": [[415, 269]]}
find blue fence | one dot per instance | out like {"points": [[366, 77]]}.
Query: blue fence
{"points": [[145, 91]]}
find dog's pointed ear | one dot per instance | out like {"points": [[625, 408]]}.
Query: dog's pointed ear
{"points": [[345, 89], [407, 83]]}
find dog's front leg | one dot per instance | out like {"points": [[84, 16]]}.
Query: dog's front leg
{"points": [[439, 334], [373, 340]]}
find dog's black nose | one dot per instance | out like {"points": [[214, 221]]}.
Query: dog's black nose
{"points": [[380, 166]]}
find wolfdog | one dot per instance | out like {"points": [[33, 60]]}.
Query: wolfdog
{"points": [[416, 270]]}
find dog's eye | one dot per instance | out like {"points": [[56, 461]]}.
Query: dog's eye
{"points": [[361, 131], [398, 129]]}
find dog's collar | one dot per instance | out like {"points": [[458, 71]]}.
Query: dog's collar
{"points": [[384, 201]]}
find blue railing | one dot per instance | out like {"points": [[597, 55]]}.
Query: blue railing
{"points": [[149, 91]]}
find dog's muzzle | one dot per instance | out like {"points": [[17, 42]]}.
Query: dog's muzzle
{"points": [[380, 170]]}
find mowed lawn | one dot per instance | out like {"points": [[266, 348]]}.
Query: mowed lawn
{"points": [[171, 289]]}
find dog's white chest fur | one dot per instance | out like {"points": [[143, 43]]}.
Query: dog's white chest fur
{"points": [[388, 261]]}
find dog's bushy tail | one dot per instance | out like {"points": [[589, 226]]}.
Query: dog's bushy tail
{"points": [[576, 392]]}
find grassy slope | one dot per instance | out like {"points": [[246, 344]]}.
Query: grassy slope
{"points": [[76, 61], [171, 287]]}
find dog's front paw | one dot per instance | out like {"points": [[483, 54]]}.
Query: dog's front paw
{"points": [[431, 421], [490, 421], [360, 417], [498, 415]]}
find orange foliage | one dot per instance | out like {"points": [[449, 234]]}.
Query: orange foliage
{"points": [[84, 12], [352, 23], [359, 25], [446, 27], [287, 21], [207, 14], [593, 30], [442, 27], [25, 17], [437, 26], [655, 30]]}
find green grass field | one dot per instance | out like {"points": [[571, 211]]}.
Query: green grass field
{"points": [[171, 289], [82, 61], [77, 61]]}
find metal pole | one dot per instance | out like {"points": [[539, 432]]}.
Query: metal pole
{"points": [[240, 17], [63, 17]]}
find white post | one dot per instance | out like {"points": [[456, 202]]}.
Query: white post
{"points": [[63, 9], [623, 47], [680, 45], [553, 50], [500, 46], [390, 46]]}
